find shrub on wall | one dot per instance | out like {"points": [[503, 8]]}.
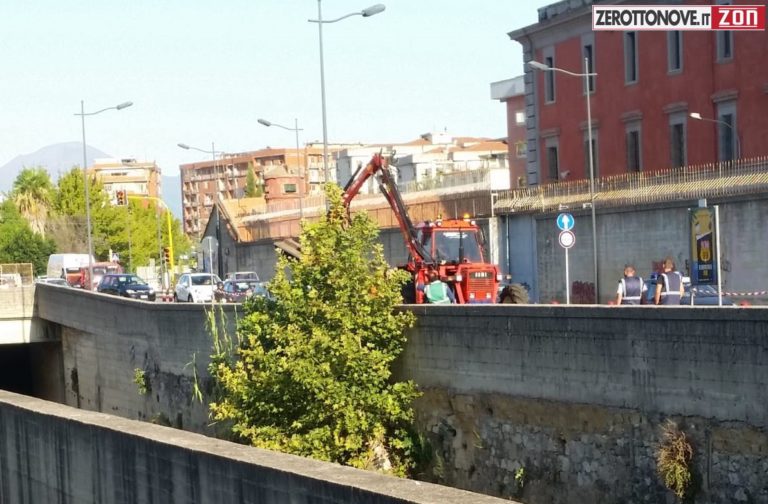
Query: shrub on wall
{"points": [[310, 373], [673, 459]]}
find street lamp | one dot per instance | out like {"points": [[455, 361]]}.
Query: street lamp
{"points": [[737, 143], [295, 129], [82, 115], [370, 11], [586, 75], [212, 152]]}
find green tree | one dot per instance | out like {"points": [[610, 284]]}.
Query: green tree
{"points": [[18, 243], [32, 195], [311, 373], [250, 182]]}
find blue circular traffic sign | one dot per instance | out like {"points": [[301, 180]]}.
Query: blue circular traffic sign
{"points": [[565, 222]]}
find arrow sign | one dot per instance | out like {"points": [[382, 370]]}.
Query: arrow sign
{"points": [[565, 222]]}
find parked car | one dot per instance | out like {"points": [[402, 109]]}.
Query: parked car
{"points": [[126, 285], [53, 281], [243, 275], [703, 295], [237, 291], [196, 287]]}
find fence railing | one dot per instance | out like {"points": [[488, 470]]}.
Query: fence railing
{"points": [[16, 275], [727, 178]]}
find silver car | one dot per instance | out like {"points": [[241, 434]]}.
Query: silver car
{"points": [[196, 287]]}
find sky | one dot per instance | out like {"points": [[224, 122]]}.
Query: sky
{"points": [[201, 72]]}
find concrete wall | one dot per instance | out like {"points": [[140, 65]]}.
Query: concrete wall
{"points": [[54, 453], [641, 236], [576, 396], [572, 395], [16, 316]]}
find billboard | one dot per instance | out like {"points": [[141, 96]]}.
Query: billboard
{"points": [[703, 240]]}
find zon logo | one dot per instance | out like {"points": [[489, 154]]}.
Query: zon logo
{"points": [[738, 17]]}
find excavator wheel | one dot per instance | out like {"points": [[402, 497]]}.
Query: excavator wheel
{"points": [[514, 294]]}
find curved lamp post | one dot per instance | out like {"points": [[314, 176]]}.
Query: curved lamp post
{"points": [[212, 152], [370, 11], [82, 115], [737, 143], [295, 129], [586, 75]]}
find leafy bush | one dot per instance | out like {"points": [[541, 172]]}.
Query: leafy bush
{"points": [[673, 459], [310, 372]]}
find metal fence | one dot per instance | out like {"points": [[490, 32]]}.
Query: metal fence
{"points": [[728, 178], [16, 275]]}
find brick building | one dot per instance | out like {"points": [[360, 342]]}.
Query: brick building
{"points": [[649, 86], [205, 182], [511, 92]]}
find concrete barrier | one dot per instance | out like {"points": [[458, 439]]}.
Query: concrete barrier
{"points": [[54, 453]]}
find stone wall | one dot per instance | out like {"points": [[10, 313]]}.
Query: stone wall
{"points": [[573, 399], [54, 453]]}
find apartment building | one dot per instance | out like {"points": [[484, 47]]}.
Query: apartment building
{"points": [[139, 178], [207, 181]]}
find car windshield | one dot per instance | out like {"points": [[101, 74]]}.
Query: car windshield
{"points": [[450, 246], [202, 280], [245, 274], [241, 286], [130, 280]]}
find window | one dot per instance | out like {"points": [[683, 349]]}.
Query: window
{"points": [[521, 149], [519, 117], [724, 40], [727, 132], [677, 140], [632, 138], [726, 138], [724, 45], [589, 56], [549, 80], [674, 51], [553, 170], [289, 188], [630, 57]]}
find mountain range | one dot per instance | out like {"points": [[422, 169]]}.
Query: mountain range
{"points": [[61, 157]]}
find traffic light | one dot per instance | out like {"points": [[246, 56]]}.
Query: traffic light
{"points": [[121, 198], [167, 255]]}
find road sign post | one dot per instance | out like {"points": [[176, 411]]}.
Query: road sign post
{"points": [[567, 239]]}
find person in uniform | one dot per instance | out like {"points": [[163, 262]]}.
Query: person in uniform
{"points": [[631, 288], [669, 285], [437, 291]]}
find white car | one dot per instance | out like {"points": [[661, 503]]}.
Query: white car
{"points": [[196, 287]]}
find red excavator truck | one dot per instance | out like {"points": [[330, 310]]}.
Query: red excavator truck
{"points": [[451, 247]]}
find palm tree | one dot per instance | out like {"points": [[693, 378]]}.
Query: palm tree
{"points": [[32, 196]]}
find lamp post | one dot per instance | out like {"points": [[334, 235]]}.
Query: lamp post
{"points": [[737, 143], [370, 11], [588, 92], [212, 152], [295, 129], [82, 115]]}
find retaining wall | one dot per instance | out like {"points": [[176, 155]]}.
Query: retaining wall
{"points": [[574, 396]]}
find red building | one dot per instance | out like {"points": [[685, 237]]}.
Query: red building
{"points": [[511, 92], [648, 85]]}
